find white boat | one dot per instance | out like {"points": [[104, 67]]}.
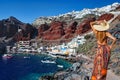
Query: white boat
{"points": [[61, 66], [48, 61], [7, 56], [26, 57]]}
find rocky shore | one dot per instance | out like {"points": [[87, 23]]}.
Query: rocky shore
{"points": [[82, 70]]}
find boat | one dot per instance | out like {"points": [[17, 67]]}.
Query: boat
{"points": [[60, 66], [48, 61], [26, 57], [7, 56]]}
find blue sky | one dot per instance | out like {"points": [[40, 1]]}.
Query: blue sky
{"points": [[28, 10]]}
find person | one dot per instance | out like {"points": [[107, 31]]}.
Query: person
{"points": [[102, 56]]}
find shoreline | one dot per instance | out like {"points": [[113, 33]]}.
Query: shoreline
{"points": [[80, 70], [48, 68]]}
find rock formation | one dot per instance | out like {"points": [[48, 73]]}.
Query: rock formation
{"points": [[55, 31], [13, 28], [106, 16], [59, 31]]}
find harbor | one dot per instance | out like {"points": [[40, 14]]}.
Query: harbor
{"points": [[28, 66]]}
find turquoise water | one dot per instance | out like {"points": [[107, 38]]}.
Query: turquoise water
{"points": [[30, 67]]}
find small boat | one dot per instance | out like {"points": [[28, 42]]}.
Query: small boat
{"points": [[26, 57], [60, 66], [47, 61], [7, 56]]}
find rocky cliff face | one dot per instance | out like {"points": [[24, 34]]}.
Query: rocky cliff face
{"points": [[63, 31], [15, 29], [106, 16], [84, 26]]}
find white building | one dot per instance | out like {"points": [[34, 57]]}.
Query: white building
{"points": [[23, 44]]}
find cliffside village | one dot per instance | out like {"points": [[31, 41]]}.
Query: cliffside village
{"points": [[31, 47]]}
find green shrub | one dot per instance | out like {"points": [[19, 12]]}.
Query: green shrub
{"points": [[87, 47], [88, 36]]}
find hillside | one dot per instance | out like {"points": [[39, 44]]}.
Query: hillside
{"points": [[13, 30], [64, 27]]}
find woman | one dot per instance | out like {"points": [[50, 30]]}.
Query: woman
{"points": [[103, 51]]}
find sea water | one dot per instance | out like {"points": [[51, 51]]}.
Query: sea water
{"points": [[30, 67]]}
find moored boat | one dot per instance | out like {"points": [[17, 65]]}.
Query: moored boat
{"points": [[7, 56], [47, 61]]}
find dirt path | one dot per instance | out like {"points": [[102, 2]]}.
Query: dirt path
{"points": [[112, 76]]}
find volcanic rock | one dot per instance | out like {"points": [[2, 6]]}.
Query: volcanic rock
{"points": [[84, 26], [13, 28], [55, 31], [106, 17]]}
